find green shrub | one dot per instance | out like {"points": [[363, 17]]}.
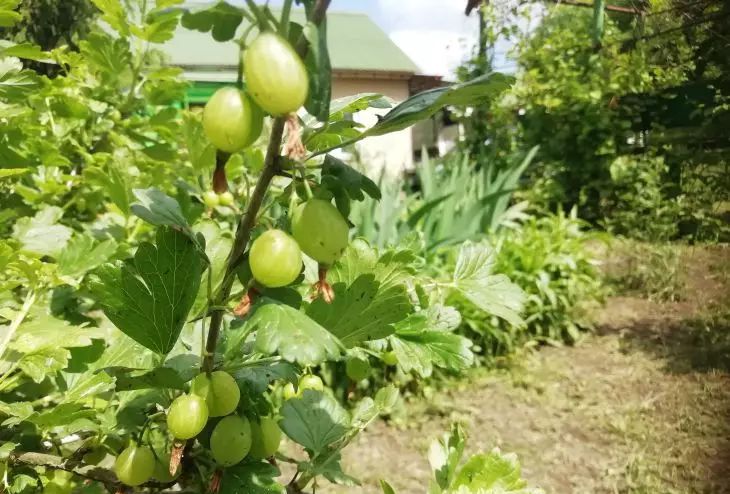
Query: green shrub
{"points": [[638, 205], [550, 259]]}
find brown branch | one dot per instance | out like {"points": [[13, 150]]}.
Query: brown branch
{"points": [[248, 220]]}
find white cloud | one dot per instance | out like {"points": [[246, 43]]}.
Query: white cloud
{"points": [[434, 33], [436, 52]]}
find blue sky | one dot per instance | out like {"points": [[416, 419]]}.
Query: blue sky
{"points": [[434, 33]]}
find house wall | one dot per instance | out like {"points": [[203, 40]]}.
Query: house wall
{"points": [[392, 152]]}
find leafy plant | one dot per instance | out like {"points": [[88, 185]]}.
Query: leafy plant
{"points": [[483, 473], [146, 342], [640, 205], [454, 201]]}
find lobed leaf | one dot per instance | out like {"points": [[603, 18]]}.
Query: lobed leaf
{"points": [[315, 420], [82, 254], [220, 19], [292, 334], [361, 311], [494, 294], [159, 209], [149, 298], [41, 234]]}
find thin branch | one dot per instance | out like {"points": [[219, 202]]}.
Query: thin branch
{"points": [[248, 220]]}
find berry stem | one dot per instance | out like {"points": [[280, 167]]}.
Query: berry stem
{"points": [[248, 219]]}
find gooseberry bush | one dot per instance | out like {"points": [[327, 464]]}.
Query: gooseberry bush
{"points": [[173, 284]]}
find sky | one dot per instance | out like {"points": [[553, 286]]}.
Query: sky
{"points": [[435, 34]]}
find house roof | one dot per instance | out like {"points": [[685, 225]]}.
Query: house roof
{"points": [[355, 43]]}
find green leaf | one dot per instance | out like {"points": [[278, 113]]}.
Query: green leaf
{"points": [[387, 488], [445, 454], [315, 420], [332, 471], [6, 448], [42, 235], [494, 294], [88, 387], [157, 208], [251, 478], [62, 414], [386, 399], [12, 172], [109, 55], [149, 297], [44, 362], [160, 25], [128, 379], [201, 152], [342, 107], [442, 318], [340, 128], [425, 104], [222, 19], [218, 244], [290, 333], [361, 311], [17, 412], [8, 16], [364, 412], [121, 351], [320, 71], [114, 15], [163, 4], [22, 483], [259, 375], [392, 268], [82, 254], [332, 135], [28, 51], [420, 352], [337, 174], [491, 472], [16, 83], [43, 342]]}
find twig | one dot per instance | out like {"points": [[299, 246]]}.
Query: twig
{"points": [[248, 220]]}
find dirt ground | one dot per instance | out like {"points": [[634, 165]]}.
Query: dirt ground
{"points": [[640, 406]]}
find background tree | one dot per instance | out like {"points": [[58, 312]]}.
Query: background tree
{"points": [[648, 81], [51, 23]]}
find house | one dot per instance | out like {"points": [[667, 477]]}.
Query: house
{"points": [[364, 60]]}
